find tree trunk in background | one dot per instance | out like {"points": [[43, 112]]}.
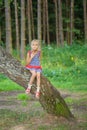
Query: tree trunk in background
{"points": [[61, 38], [32, 19], [47, 23], [68, 21], [50, 98], [0, 33], [44, 21], [17, 27], [8, 27], [22, 50], [0, 25], [71, 21], [29, 20], [85, 18], [39, 19], [56, 16]]}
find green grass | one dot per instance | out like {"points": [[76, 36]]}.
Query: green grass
{"points": [[9, 118], [23, 97], [8, 85], [33, 120], [65, 67]]}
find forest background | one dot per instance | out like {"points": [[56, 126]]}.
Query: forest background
{"points": [[61, 26], [54, 22]]}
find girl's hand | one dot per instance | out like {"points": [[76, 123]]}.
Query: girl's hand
{"points": [[32, 55]]}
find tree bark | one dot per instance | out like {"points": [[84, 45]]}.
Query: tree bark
{"points": [[32, 19], [17, 27], [85, 18], [44, 21], [71, 21], [47, 22], [50, 98], [0, 33], [57, 23], [29, 20], [22, 49], [8, 27], [61, 37], [39, 19], [68, 21]]}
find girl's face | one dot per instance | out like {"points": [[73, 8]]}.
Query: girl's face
{"points": [[35, 46]]}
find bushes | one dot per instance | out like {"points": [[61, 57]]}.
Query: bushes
{"points": [[65, 65]]}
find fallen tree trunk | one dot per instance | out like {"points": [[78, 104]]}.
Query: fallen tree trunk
{"points": [[50, 98]]}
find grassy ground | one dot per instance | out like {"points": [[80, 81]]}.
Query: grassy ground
{"points": [[67, 71], [18, 113]]}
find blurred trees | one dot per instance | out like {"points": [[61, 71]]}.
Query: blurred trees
{"points": [[85, 19], [51, 21], [39, 20], [17, 27], [8, 27], [22, 49], [71, 21]]}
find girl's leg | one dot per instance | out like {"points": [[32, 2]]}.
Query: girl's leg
{"points": [[32, 77], [31, 81], [38, 85]]}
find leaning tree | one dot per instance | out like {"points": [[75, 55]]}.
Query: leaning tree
{"points": [[50, 98]]}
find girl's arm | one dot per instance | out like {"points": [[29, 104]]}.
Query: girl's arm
{"points": [[28, 58]]}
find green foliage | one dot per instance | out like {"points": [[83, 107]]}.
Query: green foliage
{"points": [[2, 77], [8, 85], [2, 44], [10, 118], [78, 19], [23, 97], [66, 67]]}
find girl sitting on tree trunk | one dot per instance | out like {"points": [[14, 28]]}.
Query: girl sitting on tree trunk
{"points": [[33, 64]]}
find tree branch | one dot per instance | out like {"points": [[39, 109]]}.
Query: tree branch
{"points": [[50, 98]]}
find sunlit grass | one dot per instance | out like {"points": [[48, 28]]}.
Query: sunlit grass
{"points": [[23, 97], [65, 67], [8, 85]]}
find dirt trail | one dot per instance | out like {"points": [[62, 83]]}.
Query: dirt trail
{"points": [[8, 100]]}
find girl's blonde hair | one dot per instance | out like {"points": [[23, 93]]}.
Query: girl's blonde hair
{"points": [[39, 44]]}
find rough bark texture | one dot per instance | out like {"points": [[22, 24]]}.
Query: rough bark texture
{"points": [[68, 22], [8, 27], [44, 21], [22, 49], [32, 19], [71, 21], [61, 37], [29, 20], [50, 98], [47, 22], [0, 33], [57, 27], [17, 27], [39, 19], [85, 18]]}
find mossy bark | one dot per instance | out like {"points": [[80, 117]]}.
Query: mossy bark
{"points": [[50, 98]]}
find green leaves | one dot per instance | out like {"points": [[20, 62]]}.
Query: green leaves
{"points": [[66, 67]]}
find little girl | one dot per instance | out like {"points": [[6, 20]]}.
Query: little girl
{"points": [[33, 64]]}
